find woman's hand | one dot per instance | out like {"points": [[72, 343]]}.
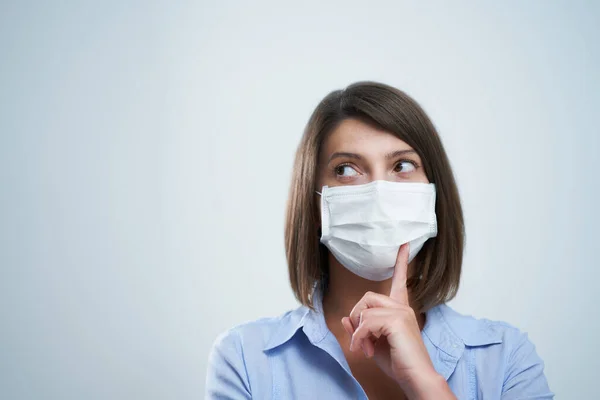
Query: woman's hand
{"points": [[386, 327]]}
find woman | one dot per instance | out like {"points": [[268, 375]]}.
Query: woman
{"points": [[374, 241]]}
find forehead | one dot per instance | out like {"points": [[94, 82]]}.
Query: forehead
{"points": [[355, 136]]}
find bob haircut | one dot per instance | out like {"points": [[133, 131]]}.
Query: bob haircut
{"points": [[437, 267]]}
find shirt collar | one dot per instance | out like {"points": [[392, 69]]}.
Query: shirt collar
{"points": [[287, 326], [451, 333], [444, 321], [312, 323], [447, 330]]}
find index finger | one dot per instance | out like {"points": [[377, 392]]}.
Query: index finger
{"points": [[399, 291]]}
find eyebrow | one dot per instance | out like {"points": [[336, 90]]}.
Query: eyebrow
{"points": [[388, 156], [399, 153]]}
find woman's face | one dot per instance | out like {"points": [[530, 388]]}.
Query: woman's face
{"points": [[356, 153]]}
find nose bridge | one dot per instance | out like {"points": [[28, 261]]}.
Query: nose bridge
{"points": [[378, 170]]}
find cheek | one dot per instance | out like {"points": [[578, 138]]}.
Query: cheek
{"points": [[417, 176], [321, 180], [421, 177]]}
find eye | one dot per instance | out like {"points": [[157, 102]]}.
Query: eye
{"points": [[405, 166], [345, 170]]}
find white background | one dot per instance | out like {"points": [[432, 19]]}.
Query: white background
{"points": [[146, 150]]}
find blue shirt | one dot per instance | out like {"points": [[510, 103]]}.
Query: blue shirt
{"points": [[295, 356]]}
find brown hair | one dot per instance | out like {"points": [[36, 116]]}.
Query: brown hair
{"points": [[439, 262]]}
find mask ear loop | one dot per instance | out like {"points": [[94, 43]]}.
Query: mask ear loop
{"points": [[319, 231]]}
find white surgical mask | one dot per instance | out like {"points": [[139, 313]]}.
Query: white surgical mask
{"points": [[364, 225]]}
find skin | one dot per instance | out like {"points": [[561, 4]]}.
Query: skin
{"points": [[374, 321]]}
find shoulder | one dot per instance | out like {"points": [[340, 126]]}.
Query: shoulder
{"points": [[258, 334], [497, 341], [479, 331], [242, 347]]}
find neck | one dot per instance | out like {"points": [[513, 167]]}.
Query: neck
{"points": [[345, 289]]}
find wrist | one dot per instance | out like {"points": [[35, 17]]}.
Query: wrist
{"points": [[427, 385]]}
